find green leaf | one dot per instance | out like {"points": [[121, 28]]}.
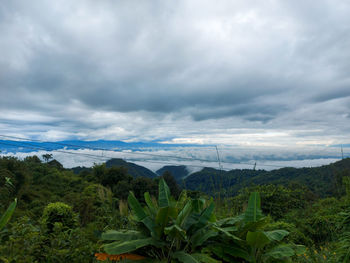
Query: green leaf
{"points": [[164, 194], [229, 221], [276, 235], [162, 219], [198, 204], [150, 224], [227, 233], [8, 213], [280, 252], [201, 235], [204, 258], [184, 257], [226, 251], [181, 200], [257, 239], [117, 248], [206, 215], [253, 212], [136, 207], [150, 203], [122, 235], [230, 228], [184, 214], [255, 226], [175, 231]]}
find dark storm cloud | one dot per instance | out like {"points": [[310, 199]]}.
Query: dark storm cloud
{"points": [[81, 65]]}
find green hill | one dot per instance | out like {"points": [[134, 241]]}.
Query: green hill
{"points": [[178, 172], [133, 169], [323, 181]]}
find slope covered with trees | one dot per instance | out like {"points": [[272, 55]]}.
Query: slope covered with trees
{"points": [[323, 181], [179, 172]]}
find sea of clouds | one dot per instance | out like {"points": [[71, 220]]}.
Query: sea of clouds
{"points": [[196, 158]]}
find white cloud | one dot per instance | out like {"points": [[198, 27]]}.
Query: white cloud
{"points": [[230, 72], [195, 158]]}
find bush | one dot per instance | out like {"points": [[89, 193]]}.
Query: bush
{"points": [[59, 213], [26, 242]]}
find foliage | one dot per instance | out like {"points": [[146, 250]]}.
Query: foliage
{"points": [[97, 201], [320, 222], [47, 157], [26, 242], [244, 238], [323, 181], [7, 215], [92, 203], [322, 254], [343, 249], [59, 213], [168, 230], [295, 236], [172, 183], [277, 200]]}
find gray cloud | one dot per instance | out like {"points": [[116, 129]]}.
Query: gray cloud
{"points": [[132, 70]]}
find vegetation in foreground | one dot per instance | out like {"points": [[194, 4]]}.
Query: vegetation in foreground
{"points": [[92, 216]]}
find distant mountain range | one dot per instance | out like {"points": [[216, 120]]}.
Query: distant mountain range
{"points": [[178, 172], [324, 180]]}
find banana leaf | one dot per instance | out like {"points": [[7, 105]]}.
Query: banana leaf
{"points": [[164, 194], [253, 212], [117, 248], [8, 213]]}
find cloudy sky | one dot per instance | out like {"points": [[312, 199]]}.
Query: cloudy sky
{"points": [[249, 73]]}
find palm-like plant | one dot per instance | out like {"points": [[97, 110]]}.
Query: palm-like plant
{"points": [[243, 238], [168, 230]]}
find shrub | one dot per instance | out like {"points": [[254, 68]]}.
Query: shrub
{"points": [[59, 213]]}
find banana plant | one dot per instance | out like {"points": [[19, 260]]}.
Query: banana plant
{"points": [[243, 238], [7, 215], [168, 230]]}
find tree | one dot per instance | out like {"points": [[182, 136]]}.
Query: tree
{"points": [[47, 157], [32, 159], [114, 175], [55, 163]]}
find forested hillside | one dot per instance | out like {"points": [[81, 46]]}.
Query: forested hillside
{"points": [[62, 216], [323, 181], [179, 172]]}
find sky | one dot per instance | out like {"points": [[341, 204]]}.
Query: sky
{"points": [[230, 73]]}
